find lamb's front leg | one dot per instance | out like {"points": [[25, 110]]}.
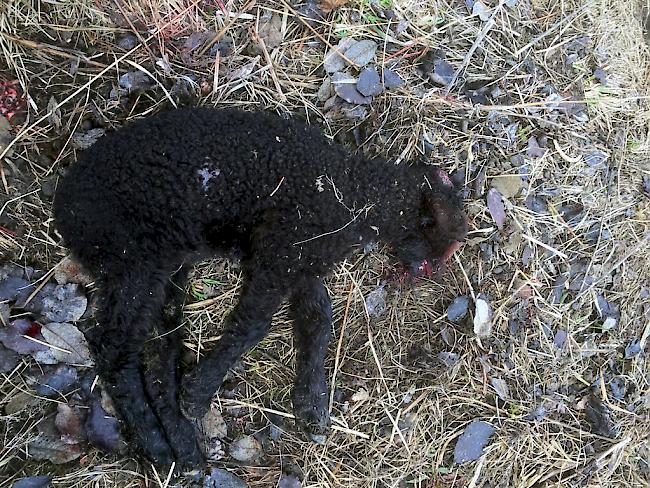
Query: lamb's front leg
{"points": [[249, 323], [312, 315]]}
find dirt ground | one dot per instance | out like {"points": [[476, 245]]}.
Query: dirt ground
{"points": [[539, 108]]}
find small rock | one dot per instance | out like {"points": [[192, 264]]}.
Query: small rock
{"points": [[391, 79], [213, 425], [360, 396], [287, 481], [457, 310], [442, 73], [135, 82], [369, 83], [246, 449], [408, 396], [482, 318], [601, 76], [560, 338], [470, 444], [501, 387], [66, 304], [599, 417], [481, 10], [220, 478], [8, 360], [103, 430], [609, 323], [57, 383], [325, 90], [632, 349], [345, 87], [33, 482], [376, 301], [361, 52], [83, 140], [333, 61], [127, 42]]}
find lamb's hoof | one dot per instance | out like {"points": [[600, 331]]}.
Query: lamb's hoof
{"points": [[185, 445], [158, 452], [312, 416], [316, 432]]}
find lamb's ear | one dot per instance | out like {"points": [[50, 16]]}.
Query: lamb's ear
{"points": [[443, 177]]}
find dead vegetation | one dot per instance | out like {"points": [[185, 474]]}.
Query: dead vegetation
{"points": [[541, 110]]}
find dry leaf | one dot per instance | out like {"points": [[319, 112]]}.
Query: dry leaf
{"points": [[495, 206], [69, 343], [328, 6]]}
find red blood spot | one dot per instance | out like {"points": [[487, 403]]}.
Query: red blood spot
{"points": [[425, 268], [11, 99], [33, 330]]}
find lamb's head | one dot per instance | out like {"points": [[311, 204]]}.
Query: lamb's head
{"points": [[439, 228]]}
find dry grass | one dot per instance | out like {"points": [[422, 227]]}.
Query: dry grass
{"points": [[68, 51]]}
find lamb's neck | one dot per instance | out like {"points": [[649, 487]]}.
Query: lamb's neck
{"points": [[387, 201]]}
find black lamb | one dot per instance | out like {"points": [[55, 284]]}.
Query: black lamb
{"points": [[147, 201]]}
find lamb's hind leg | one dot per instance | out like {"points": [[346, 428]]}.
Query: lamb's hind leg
{"points": [[312, 315], [249, 323], [162, 379], [132, 300]]}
